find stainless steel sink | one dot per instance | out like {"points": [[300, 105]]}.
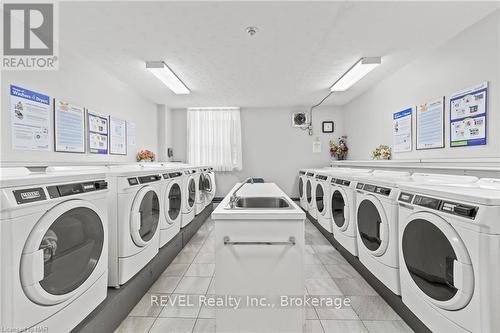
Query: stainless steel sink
{"points": [[261, 203]]}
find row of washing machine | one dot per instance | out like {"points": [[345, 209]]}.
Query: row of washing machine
{"points": [[68, 233], [433, 239]]}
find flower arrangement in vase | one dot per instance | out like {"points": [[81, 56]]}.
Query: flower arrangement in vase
{"points": [[145, 156], [382, 152], [339, 149]]}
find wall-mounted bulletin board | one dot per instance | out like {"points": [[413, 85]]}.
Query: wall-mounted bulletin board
{"points": [[402, 130], [98, 132], [117, 136], [69, 126], [430, 124], [468, 109]]}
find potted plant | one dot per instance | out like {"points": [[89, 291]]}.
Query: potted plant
{"points": [[145, 156], [382, 152], [339, 149]]}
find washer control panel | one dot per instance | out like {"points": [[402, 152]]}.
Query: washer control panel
{"points": [[450, 207]]}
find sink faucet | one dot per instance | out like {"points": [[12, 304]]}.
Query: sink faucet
{"points": [[234, 198]]}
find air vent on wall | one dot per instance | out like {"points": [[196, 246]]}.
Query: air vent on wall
{"points": [[299, 119]]}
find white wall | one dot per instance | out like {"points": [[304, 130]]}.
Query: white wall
{"points": [[165, 135], [272, 148], [469, 58], [82, 83]]}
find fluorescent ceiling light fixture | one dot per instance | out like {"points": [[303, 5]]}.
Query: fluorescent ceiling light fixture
{"points": [[167, 76], [356, 73]]}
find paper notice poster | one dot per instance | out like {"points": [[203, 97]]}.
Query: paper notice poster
{"points": [[69, 124], [30, 119], [468, 109], [430, 124], [97, 132], [402, 131], [117, 136]]}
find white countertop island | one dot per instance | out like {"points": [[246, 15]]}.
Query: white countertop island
{"points": [[259, 260]]}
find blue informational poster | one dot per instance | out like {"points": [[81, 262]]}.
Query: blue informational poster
{"points": [[402, 131], [30, 119], [468, 109], [97, 133]]}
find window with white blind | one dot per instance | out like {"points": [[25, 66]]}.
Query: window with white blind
{"points": [[214, 138]]}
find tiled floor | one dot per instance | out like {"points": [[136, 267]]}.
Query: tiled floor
{"points": [[327, 273]]}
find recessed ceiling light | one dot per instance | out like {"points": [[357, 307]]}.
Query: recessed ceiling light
{"points": [[356, 73], [167, 76]]}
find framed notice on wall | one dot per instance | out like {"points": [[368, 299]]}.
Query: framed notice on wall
{"points": [[430, 124], [29, 119], [97, 133], [69, 125], [402, 131], [117, 136], [468, 109]]}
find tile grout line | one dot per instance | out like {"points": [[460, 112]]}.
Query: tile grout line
{"points": [[183, 275]]}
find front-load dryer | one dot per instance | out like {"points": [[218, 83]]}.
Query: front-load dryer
{"points": [[449, 243], [342, 206], [319, 207], [199, 177], [189, 199], [170, 222], [134, 207], [310, 184], [320, 199], [53, 249], [302, 188], [209, 186], [377, 224]]}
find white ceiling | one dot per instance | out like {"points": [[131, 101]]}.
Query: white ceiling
{"points": [[300, 50]]}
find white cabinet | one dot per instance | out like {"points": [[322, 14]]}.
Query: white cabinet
{"points": [[258, 260]]}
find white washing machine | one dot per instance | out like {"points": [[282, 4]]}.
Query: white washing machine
{"points": [[134, 208], [189, 199], [342, 206], [320, 199], [170, 222], [210, 186], [449, 243], [302, 188], [309, 188], [377, 224], [320, 195], [53, 249], [200, 176]]}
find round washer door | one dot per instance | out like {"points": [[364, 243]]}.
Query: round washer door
{"points": [[201, 184], [319, 197], [144, 216], [309, 191], [340, 210], [373, 227], [437, 261], [62, 251], [301, 188], [191, 192], [173, 202], [208, 184]]}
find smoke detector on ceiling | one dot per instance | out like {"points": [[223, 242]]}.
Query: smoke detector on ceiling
{"points": [[251, 30]]}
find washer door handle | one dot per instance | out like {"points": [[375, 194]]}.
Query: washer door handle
{"points": [[135, 224], [32, 267], [463, 277]]}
